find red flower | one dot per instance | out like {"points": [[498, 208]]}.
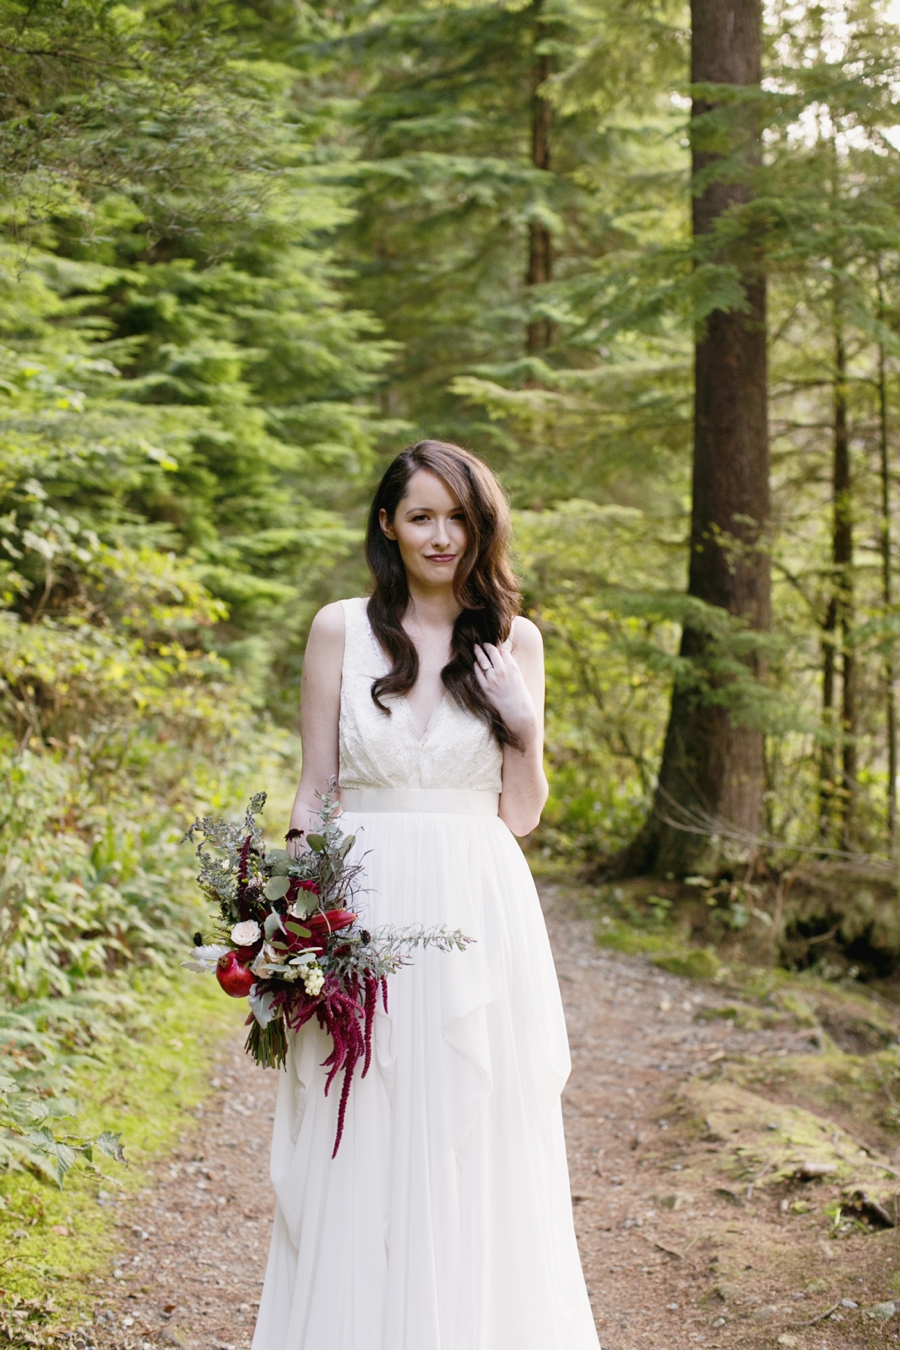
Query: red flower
{"points": [[325, 923]]}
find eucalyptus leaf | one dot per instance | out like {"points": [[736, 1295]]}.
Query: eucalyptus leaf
{"points": [[316, 842], [279, 861], [276, 887], [299, 930], [347, 846], [272, 924]]}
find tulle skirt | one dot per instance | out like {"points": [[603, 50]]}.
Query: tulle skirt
{"points": [[445, 1221]]}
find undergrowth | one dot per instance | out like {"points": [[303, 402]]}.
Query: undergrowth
{"points": [[146, 1079]]}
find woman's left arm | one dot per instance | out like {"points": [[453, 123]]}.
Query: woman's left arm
{"points": [[514, 684]]}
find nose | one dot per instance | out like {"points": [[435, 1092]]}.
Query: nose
{"points": [[441, 536]]}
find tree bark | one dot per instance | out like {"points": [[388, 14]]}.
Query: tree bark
{"points": [[540, 243], [842, 556], [713, 767], [827, 764], [887, 587]]}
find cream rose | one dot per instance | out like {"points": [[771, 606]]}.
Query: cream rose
{"points": [[245, 932], [267, 962]]}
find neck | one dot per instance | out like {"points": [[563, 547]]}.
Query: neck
{"points": [[432, 607]]}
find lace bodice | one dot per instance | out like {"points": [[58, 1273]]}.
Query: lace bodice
{"points": [[389, 751]]}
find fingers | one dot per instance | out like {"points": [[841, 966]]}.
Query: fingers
{"points": [[488, 656]]}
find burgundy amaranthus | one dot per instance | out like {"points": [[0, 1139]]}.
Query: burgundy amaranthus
{"points": [[348, 1022]]}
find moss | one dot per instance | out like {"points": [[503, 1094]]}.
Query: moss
{"points": [[614, 934], [667, 947], [52, 1241], [702, 965], [757, 1133], [795, 1005], [743, 1016]]}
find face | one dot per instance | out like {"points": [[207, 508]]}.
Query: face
{"points": [[429, 526]]}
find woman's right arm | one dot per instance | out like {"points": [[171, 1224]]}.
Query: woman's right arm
{"points": [[320, 710]]}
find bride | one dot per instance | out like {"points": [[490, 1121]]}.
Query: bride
{"points": [[445, 1219]]}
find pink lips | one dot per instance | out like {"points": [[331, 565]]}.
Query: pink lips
{"points": [[441, 558]]}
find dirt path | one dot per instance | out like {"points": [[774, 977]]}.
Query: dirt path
{"points": [[675, 1254]]}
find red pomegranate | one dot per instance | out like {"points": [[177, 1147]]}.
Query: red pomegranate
{"points": [[234, 977]]}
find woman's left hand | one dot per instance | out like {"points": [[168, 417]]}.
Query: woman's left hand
{"points": [[500, 678]]}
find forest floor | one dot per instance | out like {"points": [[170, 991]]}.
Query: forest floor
{"points": [[690, 1124]]}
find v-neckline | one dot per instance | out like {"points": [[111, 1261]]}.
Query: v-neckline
{"points": [[422, 733]]}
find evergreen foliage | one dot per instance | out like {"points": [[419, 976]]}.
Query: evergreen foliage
{"points": [[249, 248]]}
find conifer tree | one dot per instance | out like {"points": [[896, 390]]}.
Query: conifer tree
{"points": [[540, 242], [713, 767]]}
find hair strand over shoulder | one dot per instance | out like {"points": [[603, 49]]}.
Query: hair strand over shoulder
{"points": [[484, 584]]}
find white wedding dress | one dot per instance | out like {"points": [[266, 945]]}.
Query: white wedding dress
{"points": [[445, 1220]]}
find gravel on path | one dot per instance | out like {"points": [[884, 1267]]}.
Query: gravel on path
{"points": [[194, 1242]]}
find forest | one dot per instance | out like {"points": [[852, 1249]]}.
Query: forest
{"points": [[251, 248]]}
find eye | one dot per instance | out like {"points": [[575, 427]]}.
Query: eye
{"points": [[419, 517]]}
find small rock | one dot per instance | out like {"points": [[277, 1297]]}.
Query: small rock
{"points": [[675, 1200], [882, 1310], [764, 1313], [851, 1305], [787, 1340], [814, 1169]]}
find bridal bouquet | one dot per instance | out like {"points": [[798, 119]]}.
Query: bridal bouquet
{"points": [[287, 938]]}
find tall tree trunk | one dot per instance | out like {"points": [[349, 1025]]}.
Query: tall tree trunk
{"points": [[540, 243], [713, 768], [887, 587], [842, 556], [827, 765]]}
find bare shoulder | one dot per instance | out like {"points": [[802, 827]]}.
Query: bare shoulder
{"points": [[527, 640], [328, 624], [325, 645]]}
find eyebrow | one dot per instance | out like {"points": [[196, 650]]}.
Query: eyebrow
{"points": [[411, 510]]}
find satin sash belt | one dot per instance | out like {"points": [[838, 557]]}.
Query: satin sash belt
{"points": [[484, 802]]}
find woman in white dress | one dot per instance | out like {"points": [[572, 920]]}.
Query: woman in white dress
{"points": [[445, 1219]]}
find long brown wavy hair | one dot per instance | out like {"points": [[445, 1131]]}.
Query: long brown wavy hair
{"points": [[483, 583]]}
